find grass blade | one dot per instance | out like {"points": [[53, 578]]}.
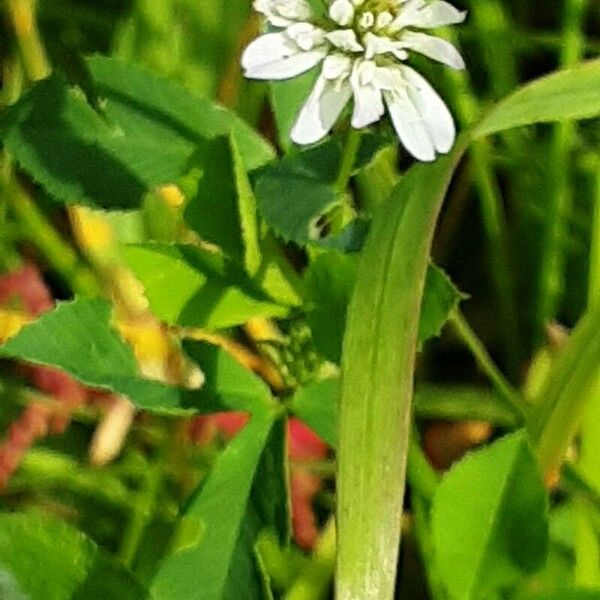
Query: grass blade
{"points": [[377, 381]]}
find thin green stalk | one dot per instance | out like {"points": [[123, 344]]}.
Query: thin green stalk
{"points": [[560, 197], [587, 550], [594, 276], [486, 364], [314, 581], [525, 40], [496, 37], [587, 545], [12, 80], [562, 402], [495, 34], [144, 505], [494, 222], [349, 155], [22, 15], [39, 232]]}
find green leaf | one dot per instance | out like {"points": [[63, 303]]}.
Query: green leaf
{"points": [[267, 510], [440, 298], [160, 103], [329, 282], [77, 337], [43, 558], [218, 511], [223, 210], [317, 405], [350, 239], [377, 380], [58, 139], [189, 286], [489, 520], [296, 191], [282, 564], [573, 93], [562, 401], [227, 381], [270, 498], [146, 134]]}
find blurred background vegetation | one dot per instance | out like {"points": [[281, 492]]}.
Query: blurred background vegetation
{"points": [[516, 232]]}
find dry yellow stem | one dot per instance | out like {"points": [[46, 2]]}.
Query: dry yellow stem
{"points": [[109, 436]]}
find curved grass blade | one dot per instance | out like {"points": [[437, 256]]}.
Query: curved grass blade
{"points": [[572, 93], [377, 381]]}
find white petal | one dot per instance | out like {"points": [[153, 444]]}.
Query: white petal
{"points": [[433, 47], [275, 56], [321, 111], [376, 44], [368, 106], [368, 101], [410, 127], [417, 13], [433, 110], [297, 10], [337, 66], [306, 35], [389, 78], [345, 39], [282, 13], [342, 12]]}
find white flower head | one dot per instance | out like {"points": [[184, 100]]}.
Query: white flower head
{"points": [[362, 45]]}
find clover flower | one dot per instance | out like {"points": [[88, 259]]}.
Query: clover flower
{"points": [[362, 45]]}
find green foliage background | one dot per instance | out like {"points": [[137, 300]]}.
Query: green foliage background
{"points": [[131, 105]]}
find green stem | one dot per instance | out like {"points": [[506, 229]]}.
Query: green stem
{"points": [[349, 155], [39, 232], [563, 401], [560, 197], [525, 41], [144, 505], [587, 545], [486, 364], [495, 34], [594, 276], [587, 550], [314, 581]]}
